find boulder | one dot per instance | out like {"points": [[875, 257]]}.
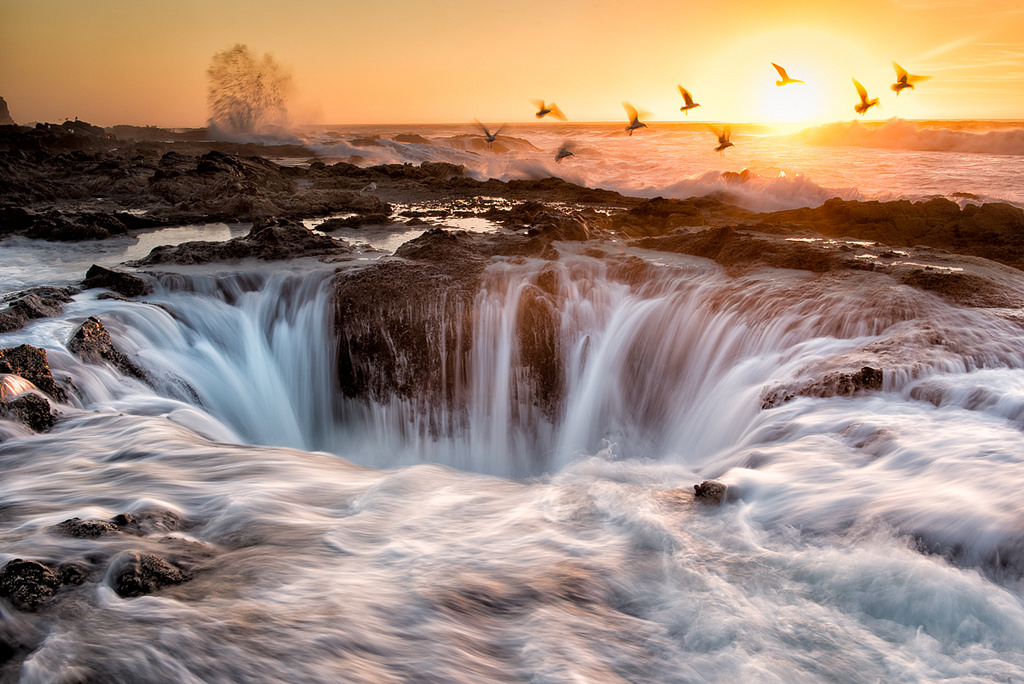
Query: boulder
{"points": [[27, 583], [91, 343], [127, 284], [30, 363]]}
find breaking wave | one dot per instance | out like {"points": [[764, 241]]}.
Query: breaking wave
{"points": [[899, 134]]}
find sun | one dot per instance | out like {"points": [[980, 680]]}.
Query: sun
{"points": [[824, 62]]}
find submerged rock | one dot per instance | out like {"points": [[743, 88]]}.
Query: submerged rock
{"points": [[709, 492], [27, 583], [91, 343], [30, 363], [137, 574], [835, 384], [85, 529]]}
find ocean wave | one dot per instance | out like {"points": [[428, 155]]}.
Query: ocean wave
{"points": [[899, 134]]}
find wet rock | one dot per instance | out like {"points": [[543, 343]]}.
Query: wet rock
{"points": [[91, 343], [38, 302], [709, 492], [31, 410], [993, 230], [85, 529], [270, 240], [659, 216], [126, 284], [740, 250], [835, 384], [964, 289], [137, 574], [27, 583], [71, 573], [355, 221], [539, 328], [30, 363]]}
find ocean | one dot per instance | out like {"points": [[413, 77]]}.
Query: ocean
{"points": [[869, 538]]}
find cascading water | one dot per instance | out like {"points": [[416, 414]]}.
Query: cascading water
{"points": [[605, 383]]}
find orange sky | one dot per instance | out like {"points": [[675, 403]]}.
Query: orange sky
{"points": [[409, 61]]}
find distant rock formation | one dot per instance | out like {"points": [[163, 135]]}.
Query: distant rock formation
{"points": [[5, 115]]}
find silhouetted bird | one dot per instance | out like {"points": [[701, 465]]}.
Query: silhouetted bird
{"points": [[563, 152], [723, 139], [488, 136], [687, 99], [785, 79], [634, 118], [551, 108], [904, 80], [865, 103]]}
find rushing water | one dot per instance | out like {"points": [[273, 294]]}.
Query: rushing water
{"points": [[878, 537]]}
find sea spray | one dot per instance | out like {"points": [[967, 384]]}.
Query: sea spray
{"points": [[246, 95]]}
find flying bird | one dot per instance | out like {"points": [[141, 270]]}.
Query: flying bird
{"points": [[369, 188], [785, 79], [488, 136], [904, 80], [634, 118], [563, 152], [865, 103], [551, 108], [688, 100], [723, 139]]}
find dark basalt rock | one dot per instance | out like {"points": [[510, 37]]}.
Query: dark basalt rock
{"points": [[5, 114], [355, 221], [30, 363], [85, 529], [835, 384], [270, 240], [91, 343], [30, 409], [964, 289], [137, 574], [39, 302], [127, 284], [709, 492], [740, 250], [994, 231], [27, 583]]}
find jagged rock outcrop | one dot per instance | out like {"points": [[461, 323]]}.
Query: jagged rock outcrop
{"points": [[127, 284], [31, 410], [269, 240], [38, 302], [31, 363], [91, 343], [5, 114]]}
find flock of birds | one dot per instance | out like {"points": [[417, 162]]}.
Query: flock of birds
{"points": [[904, 80]]}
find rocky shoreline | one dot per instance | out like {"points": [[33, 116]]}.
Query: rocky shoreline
{"points": [[77, 182]]}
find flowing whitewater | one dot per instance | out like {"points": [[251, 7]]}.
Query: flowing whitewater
{"points": [[524, 511]]}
